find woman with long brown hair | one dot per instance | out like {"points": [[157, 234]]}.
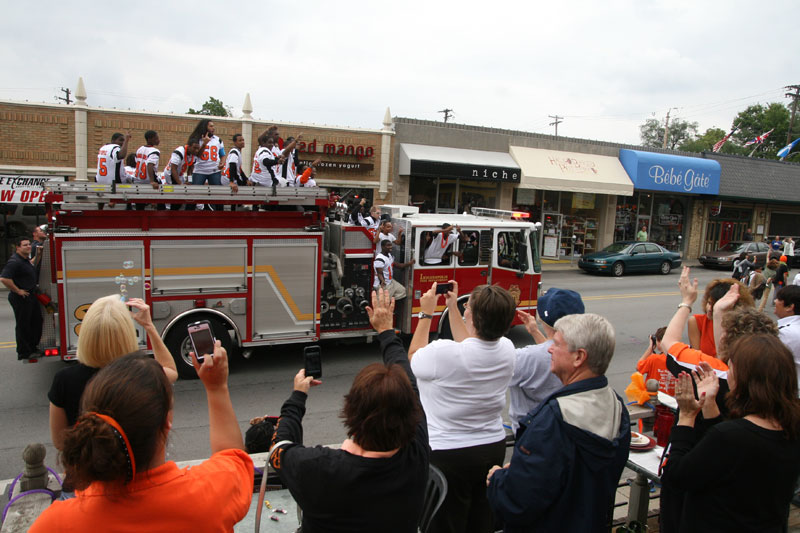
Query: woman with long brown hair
{"points": [[738, 474]]}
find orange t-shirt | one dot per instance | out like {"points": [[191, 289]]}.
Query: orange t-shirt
{"points": [[211, 496], [655, 367], [683, 353], [706, 327]]}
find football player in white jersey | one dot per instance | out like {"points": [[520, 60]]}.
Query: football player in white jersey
{"points": [[130, 169], [181, 162], [208, 167], [289, 169], [233, 165], [264, 163], [110, 158], [147, 158]]}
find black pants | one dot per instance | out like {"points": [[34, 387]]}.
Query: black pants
{"points": [[29, 323], [466, 508]]}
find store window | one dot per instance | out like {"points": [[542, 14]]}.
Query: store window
{"points": [[664, 216], [440, 195]]}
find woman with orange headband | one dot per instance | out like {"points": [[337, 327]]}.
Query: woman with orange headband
{"points": [[116, 456]]}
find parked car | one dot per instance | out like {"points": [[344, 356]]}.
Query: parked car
{"points": [[631, 256], [725, 256]]}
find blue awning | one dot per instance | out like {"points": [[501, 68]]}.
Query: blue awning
{"points": [[652, 171]]}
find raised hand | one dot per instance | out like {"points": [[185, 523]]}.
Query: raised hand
{"points": [[688, 287], [381, 313]]}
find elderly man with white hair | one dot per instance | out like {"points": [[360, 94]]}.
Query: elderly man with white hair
{"points": [[566, 464]]}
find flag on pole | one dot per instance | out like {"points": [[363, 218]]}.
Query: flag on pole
{"points": [[760, 139], [783, 152], [718, 145]]}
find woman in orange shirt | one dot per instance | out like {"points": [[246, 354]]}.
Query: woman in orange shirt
{"points": [[701, 326], [116, 456]]}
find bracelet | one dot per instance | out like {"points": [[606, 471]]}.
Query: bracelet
{"points": [[687, 306]]}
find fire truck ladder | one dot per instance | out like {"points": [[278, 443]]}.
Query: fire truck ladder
{"points": [[75, 192]]}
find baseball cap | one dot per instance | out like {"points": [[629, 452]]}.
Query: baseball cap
{"points": [[556, 303]]}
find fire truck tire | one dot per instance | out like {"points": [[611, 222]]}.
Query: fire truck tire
{"points": [[444, 320], [179, 345]]}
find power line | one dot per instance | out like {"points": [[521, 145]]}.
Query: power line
{"points": [[447, 114]]}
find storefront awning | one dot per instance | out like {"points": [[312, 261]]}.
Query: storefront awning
{"points": [[553, 170], [652, 171], [418, 160]]}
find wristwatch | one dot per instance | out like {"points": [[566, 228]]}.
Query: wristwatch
{"points": [[422, 315]]}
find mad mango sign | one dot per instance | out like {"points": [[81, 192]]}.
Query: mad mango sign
{"points": [[23, 189]]}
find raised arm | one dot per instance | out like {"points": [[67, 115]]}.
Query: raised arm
{"points": [[722, 306], [675, 327], [457, 326], [142, 316], [421, 336], [123, 150], [223, 429]]}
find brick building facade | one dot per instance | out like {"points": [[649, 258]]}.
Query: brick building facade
{"points": [[47, 139]]}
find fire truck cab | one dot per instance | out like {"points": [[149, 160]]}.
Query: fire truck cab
{"points": [[494, 247], [292, 272]]}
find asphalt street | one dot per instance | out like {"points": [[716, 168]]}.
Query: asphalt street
{"points": [[636, 304]]}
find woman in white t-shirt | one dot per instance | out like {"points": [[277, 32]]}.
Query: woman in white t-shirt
{"points": [[462, 386]]}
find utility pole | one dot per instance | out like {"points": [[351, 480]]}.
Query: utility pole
{"points": [[794, 96], [666, 128], [66, 99], [447, 114], [556, 121]]}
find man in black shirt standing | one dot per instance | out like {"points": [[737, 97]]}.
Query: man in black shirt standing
{"points": [[19, 276]]}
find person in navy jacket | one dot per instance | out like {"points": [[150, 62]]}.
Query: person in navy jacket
{"points": [[571, 449]]}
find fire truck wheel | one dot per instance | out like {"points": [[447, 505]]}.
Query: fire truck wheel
{"points": [[444, 320], [179, 345]]}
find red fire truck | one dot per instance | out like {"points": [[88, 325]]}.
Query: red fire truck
{"points": [[292, 271]]}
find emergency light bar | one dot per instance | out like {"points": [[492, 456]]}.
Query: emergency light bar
{"points": [[499, 213]]}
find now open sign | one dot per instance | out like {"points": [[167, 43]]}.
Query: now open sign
{"points": [[23, 189]]}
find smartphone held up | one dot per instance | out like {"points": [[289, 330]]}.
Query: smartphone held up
{"points": [[202, 339], [313, 361], [444, 288]]}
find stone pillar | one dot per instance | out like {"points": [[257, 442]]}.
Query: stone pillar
{"points": [[386, 151], [81, 135], [35, 475], [247, 131]]}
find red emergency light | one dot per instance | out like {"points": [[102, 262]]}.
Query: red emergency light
{"points": [[520, 214]]}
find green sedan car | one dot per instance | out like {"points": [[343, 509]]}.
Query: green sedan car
{"points": [[631, 256]]}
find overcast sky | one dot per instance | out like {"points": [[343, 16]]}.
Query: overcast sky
{"points": [[603, 66]]}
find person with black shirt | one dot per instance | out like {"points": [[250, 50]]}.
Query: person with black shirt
{"points": [[39, 237], [376, 480], [738, 474], [19, 276]]}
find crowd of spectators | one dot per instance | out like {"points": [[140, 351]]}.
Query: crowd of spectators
{"points": [[731, 464]]}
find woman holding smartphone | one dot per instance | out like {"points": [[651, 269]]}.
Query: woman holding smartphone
{"points": [[116, 456]]}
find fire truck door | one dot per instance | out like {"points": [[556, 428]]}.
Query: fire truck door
{"points": [[425, 275], [286, 275], [93, 269], [472, 268], [512, 265]]}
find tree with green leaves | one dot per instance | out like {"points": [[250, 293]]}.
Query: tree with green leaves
{"points": [[213, 107], [757, 120], [680, 132]]}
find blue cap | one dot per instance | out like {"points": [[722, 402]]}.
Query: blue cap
{"points": [[556, 303]]}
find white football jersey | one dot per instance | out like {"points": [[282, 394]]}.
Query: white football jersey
{"points": [[146, 155], [181, 161], [234, 156], [208, 162], [262, 174], [109, 164]]}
